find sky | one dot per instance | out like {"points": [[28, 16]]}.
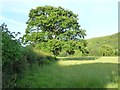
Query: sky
{"points": [[97, 17]]}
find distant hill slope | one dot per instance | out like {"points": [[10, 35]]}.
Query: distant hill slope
{"points": [[95, 43]]}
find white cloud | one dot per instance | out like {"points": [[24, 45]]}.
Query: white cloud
{"points": [[5, 19]]}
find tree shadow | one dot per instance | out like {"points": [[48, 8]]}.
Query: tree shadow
{"points": [[79, 58]]}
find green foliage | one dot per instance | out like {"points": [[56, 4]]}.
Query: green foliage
{"points": [[34, 56], [54, 29], [41, 46], [75, 48], [95, 43], [12, 63], [70, 47], [106, 50], [16, 58], [55, 46], [63, 54], [47, 22], [82, 46]]}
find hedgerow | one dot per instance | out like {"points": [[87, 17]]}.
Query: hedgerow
{"points": [[15, 57]]}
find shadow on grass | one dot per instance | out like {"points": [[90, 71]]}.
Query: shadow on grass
{"points": [[79, 58]]}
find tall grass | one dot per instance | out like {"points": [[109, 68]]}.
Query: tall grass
{"points": [[96, 74]]}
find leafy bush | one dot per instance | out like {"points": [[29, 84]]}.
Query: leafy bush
{"points": [[15, 57], [106, 50], [12, 62]]}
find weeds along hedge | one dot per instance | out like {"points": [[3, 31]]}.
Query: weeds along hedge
{"points": [[34, 56], [15, 58]]}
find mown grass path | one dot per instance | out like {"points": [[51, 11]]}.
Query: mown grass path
{"points": [[73, 73]]}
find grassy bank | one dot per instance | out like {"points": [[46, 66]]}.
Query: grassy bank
{"points": [[98, 73]]}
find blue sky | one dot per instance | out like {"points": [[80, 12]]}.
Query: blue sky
{"points": [[98, 17]]}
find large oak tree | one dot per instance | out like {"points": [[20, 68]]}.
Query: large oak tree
{"points": [[52, 23]]}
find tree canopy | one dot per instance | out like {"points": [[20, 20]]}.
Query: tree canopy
{"points": [[53, 23]]}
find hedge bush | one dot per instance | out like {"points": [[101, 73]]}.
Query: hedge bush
{"points": [[15, 57]]}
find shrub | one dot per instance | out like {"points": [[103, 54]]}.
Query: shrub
{"points": [[12, 63], [15, 57], [106, 50]]}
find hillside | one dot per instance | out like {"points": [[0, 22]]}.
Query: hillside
{"points": [[95, 43]]}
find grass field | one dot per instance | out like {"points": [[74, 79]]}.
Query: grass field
{"points": [[73, 73]]}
